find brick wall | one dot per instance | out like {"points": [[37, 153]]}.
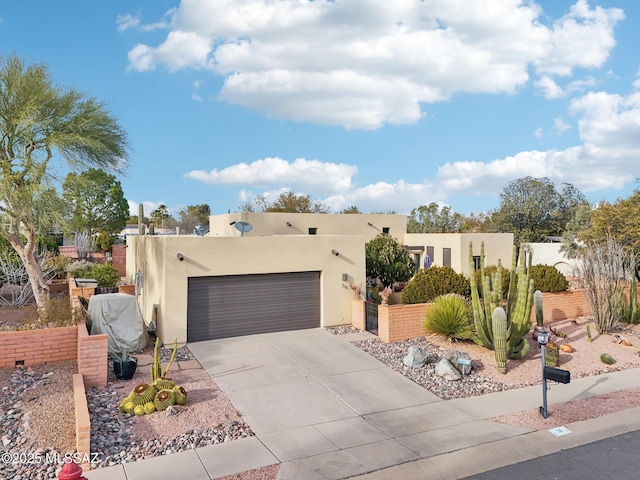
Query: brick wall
{"points": [[31, 347], [401, 322], [358, 318], [83, 422], [562, 305], [92, 356]]}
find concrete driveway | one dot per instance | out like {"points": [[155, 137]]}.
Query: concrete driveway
{"points": [[326, 409]]}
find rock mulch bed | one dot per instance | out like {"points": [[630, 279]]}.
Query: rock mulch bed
{"points": [[392, 354]]}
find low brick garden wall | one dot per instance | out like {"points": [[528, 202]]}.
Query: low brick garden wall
{"points": [[31, 347], [404, 322]]}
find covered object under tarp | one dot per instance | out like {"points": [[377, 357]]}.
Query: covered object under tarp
{"points": [[118, 315]]}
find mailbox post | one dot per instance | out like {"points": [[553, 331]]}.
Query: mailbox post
{"points": [[549, 373]]}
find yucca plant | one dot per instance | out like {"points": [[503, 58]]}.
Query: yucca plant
{"points": [[450, 316]]}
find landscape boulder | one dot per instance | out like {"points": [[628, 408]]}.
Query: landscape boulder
{"points": [[447, 371], [416, 357], [460, 360]]}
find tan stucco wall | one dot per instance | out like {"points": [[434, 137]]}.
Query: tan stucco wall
{"points": [[271, 223], [496, 246], [166, 277]]}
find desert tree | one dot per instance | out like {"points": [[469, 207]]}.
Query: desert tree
{"points": [[42, 124], [387, 260]]}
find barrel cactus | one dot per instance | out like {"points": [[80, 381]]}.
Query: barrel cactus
{"points": [[149, 408], [163, 384], [164, 399], [139, 410], [607, 359], [180, 395], [142, 394]]}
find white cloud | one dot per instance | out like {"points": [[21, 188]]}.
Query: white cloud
{"points": [[313, 176], [128, 21], [550, 89], [538, 133], [636, 83], [382, 196], [560, 126], [365, 63], [609, 126]]}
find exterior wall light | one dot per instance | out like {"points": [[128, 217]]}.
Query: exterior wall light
{"points": [[335, 252], [288, 224], [180, 257], [344, 277]]}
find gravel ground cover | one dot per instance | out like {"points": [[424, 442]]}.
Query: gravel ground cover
{"points": [[36, 405]]}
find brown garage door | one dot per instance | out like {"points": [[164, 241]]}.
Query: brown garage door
{"points": [[235, 305]]}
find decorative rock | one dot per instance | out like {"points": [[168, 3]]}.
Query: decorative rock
{"points": [[460, 360], [447, 371], [416, 357]]}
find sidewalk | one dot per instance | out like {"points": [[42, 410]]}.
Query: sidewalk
{"points": [[324, 409]]}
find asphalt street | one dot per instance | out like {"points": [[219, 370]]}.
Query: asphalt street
{"points": [[615, 458]]}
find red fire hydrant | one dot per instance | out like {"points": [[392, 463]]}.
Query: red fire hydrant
{"points": [[71, 471]]}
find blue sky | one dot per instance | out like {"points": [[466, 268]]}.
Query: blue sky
{"points": [[383, 105]]}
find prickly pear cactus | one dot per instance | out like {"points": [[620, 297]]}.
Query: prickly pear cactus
{"points": [[499, 327]]}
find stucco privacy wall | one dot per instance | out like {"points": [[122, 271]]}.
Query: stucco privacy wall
{"points": [[274, 223], [496, 246], [165, 277]]}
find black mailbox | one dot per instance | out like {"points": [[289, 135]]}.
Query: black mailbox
{"points": [[557, 375]]}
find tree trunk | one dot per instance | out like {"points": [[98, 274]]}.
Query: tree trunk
{"points": [[27, 252]]}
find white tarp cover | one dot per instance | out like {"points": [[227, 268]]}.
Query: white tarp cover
{"points": [[118, 315]]}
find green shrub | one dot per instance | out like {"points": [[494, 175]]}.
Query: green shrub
{"points": [[105, 274], [451, 316], [59, 265], [434, 281], [548, 278], [490, 271], [104, 241], [46, 243], [80, 268]]}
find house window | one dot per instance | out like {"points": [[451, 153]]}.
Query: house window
{"points": [[446, 257], [385, 229], [313, 230], [476, 262], [416, 263]]}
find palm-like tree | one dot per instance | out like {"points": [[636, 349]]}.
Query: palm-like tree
{"points": [[41, 123]]}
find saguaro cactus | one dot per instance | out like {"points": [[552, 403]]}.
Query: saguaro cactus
{"points": [[517, 305], [499, 325]]}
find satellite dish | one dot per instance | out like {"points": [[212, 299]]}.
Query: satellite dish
{"points": [[243, 227], [201, 230]]}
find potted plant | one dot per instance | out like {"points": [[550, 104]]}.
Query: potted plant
{"points": [[107, 277], [124, 365]]}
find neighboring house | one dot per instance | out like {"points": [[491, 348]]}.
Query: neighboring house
{"points": [[452, 249], [550, 254], [289, 271], [272, 223]]}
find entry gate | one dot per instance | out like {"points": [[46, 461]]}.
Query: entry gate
{"points": [[371, 317]]}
